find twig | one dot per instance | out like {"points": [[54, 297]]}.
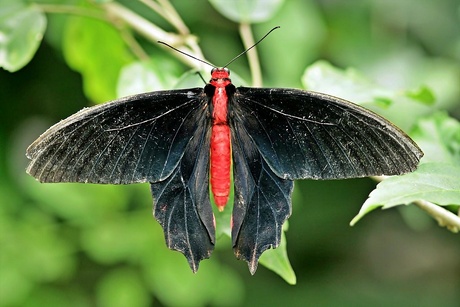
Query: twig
{"points": [[253, 59], [444, 217], [140, 24], [173, 17], [167, 11], [135, 47], [151, 31]]}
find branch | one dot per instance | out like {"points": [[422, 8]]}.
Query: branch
{"points": [[168, 12], [154, 33], [444, 217], [253, 59]]}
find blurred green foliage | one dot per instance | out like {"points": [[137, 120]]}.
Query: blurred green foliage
{"points": [[84, 245]]}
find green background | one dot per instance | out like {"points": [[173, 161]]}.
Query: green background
{"points": [[87, 245]]}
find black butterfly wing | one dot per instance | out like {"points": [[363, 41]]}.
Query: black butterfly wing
{"points": [[158, 137], [262, 200], [139, 138], [183, 205], [283, 134], [304, 134]]}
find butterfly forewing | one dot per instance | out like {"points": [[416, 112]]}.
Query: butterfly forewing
{"points": [[305, 134], [135, 139]]}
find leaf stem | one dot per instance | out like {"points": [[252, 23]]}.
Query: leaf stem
{"points": [[253, 59], [444, 217]]}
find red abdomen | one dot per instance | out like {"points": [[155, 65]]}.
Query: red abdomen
{"points": [[220, 149]]}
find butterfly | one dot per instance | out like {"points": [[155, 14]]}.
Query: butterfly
{"points": [[182, 141]]}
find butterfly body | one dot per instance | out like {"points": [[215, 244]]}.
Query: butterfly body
{"points": [[220, 136]]}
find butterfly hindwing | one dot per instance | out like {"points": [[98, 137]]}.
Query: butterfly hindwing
{"points": [[262, 201], [182, 204]]}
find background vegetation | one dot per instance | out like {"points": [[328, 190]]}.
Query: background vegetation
{"points": [[83, 245]]}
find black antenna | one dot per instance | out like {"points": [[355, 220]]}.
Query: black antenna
{"points": [[239, 55], [207, 63], [184, 53]]}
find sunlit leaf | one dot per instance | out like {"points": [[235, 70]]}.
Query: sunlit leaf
{"points": [[21, 32], [438, 183], [348, 84], [277, 260], [97, 51], [422, 94]]}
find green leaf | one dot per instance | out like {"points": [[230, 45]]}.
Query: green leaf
{"points": [[348, 84], [247, 11], [277, 260], [21, 31], [97, 51], [351, 84], [138, 77], [396, 106], [423, 94], [141, 77], [223, 219], [435, 182], [439, 137]]}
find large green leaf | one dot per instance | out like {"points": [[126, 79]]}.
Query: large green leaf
{"points": [[350, 84], [21, 31], [97, 51], [435, 182], [147, 76]]}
